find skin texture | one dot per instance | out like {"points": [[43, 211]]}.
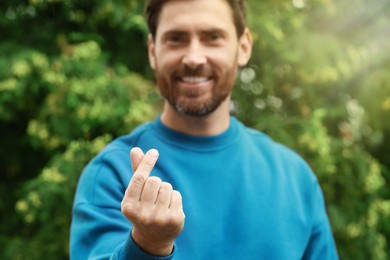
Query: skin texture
{"points": [[153, 207], [195, 55], [197, 39]]}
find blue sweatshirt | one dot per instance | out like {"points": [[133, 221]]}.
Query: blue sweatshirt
{"points": [[244, 197]]}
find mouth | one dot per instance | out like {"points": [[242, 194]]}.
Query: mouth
{"points": [[194, 80]]}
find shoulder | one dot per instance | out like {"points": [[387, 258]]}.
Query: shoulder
{"points": [[120, 147], [109, 172], [285, 164], [117, 150], [264, 141], [280, 156]]}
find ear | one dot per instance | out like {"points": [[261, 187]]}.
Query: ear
{"points": [[245, 48], [151, 52]]}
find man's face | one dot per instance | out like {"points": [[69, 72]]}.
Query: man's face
{"points": [[195, 54]]}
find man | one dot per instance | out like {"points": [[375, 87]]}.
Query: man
{"points": [[207, 187]]}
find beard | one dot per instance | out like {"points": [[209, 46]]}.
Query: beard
{"points": [[196, 102]]}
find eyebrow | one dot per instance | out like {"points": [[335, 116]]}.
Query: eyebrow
{"points": [[214, 30], [184, 32], [170, 32]]}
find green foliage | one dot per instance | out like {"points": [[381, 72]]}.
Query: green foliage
{"points": [[319, 83], [88, 99], [48, 199], [70, 82], [62, 107]]}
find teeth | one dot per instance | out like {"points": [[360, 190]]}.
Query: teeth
{"points": [[194, 79]]}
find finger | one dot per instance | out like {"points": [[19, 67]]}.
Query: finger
{"points": [[164, 195], [142, 173], [176, 201], [136, 156], [150, 190], [177, 205], [147, 163]]}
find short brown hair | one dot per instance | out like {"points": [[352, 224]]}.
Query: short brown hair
{"points": [[153, 9]]}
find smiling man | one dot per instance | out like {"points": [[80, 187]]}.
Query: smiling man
{"points": [[207, 187]]}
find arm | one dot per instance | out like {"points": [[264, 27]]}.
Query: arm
{"points": [[99, 230], [321, 244], [101, 233]]}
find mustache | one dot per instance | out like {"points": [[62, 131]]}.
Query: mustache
{"points": [[186, 71]]}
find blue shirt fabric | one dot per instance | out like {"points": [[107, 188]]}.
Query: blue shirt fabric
{"points": [[244, 197]]}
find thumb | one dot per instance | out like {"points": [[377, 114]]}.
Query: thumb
{"points": [[136, 156]]}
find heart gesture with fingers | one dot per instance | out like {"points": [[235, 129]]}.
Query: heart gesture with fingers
{"points": [[152, 206]]}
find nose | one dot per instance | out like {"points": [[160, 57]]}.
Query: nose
{"points": [[194, 56]]}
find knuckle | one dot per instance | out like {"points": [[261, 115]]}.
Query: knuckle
{"points": [[174, 220], [176, 195], [139, 179], [149, 162], [154, 181], [166, 186], [143, 218], [129, 210]]}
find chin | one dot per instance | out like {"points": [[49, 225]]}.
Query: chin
{"points": [[200, 110]]}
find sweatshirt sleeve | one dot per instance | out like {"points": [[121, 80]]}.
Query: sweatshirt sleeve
{"points": [[99, 230], [100, 233], [321, 244]]}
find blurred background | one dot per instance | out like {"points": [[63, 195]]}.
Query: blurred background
{"points": [[74, 75]]}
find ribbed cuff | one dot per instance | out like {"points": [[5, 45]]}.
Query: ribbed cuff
{"points": [[132, 251]]}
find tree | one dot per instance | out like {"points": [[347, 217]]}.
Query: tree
{"points": [[74, 75]]}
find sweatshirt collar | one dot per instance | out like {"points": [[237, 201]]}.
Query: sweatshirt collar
{"points": [[198, 143]]}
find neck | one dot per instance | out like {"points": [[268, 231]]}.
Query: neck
{"points": [[212, 124]]}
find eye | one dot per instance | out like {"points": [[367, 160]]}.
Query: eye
{"points": [[176, 38], [214, 37]]}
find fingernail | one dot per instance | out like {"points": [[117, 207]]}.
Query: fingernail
{"points": [[135, 148], [153, 153]]}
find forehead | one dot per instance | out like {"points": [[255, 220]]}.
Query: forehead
{"points": [[195, 15]]}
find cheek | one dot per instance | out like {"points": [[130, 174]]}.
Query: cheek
{"points": [[167, 59], [224, 59]]}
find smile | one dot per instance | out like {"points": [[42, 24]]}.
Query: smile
{"points": [[194, 80]]}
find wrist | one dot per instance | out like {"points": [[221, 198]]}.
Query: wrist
{"points": [[154, 248]]}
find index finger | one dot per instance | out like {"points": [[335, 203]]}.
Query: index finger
{"points": [[136, 156], [142, 173]]}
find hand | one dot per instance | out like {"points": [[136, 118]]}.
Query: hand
{"points": [[152, 206]]}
